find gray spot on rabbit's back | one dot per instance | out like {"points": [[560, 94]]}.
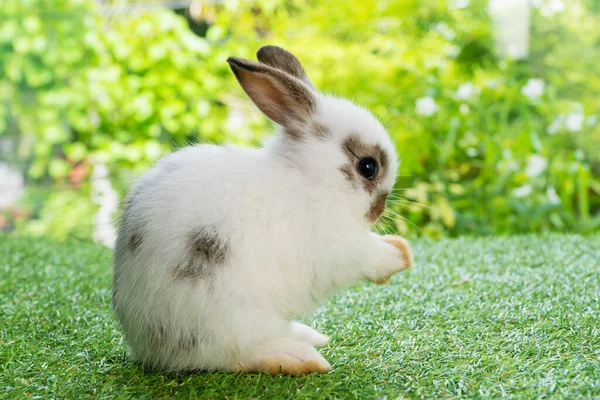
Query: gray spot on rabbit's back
{"points": [[157, 336], [187, 343], [205, 250], [135, 241], [207, 244], [160, 338]]}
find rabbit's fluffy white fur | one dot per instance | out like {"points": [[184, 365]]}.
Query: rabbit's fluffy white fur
{"points": [[221, 247]]}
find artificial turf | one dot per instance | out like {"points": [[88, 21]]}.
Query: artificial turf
{"points": [[490, 317]]}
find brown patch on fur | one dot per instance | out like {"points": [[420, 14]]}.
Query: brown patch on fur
{"points": [[160, 338], [402, 245], [297, 134], [283, 60], [320, 130], [187, 343], [369, 186], [208, 246], [157, 336], [405, 256], [377, 207], [135, 241], [294, 133], [206, 249], [348, 171], [382, 280], [278, 95], [355, 149]]}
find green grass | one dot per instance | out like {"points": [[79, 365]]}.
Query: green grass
{"points": [[516, 317]]}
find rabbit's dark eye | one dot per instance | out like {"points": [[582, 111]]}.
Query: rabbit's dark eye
{"points": [[368, 168]]}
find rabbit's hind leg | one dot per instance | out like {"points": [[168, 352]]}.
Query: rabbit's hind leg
{"points": [[308, 334], [285, 356]]}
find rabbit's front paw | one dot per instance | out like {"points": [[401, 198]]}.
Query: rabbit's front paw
{"points": [[403, 261]]}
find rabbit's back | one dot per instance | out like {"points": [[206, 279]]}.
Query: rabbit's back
{"points": [[176, 247], [187, 192]]}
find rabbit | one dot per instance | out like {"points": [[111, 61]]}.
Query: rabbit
{"points": [[221, 248]]}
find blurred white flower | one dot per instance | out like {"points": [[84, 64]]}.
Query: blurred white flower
{"points": [[549, 7], [104, 195], [591, 120], [464, 109], [497, 6], [459, 4], [471, 152], [143, 106], [237, 122], [453, 51], [535, 165], [426, 106], [490, 83], [445, 30], [574, 121], [465, 91], [533, 89], [522, 191], [12, 185], [552, 195], [556, 125]]}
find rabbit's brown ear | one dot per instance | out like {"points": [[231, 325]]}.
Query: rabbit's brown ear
{"points": [[283, 60], [281, 97]]}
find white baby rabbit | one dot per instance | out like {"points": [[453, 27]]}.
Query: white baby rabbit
{"points": [[221, 247]]}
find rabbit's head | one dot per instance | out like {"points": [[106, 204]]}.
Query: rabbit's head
{"points": [[340, 147]]}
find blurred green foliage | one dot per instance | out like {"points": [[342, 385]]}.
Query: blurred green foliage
{"points": [[487, 145]]}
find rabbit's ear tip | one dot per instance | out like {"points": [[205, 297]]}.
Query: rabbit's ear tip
{"points": [[242, 63], [270, 47], [235, 60], [281, 59]]}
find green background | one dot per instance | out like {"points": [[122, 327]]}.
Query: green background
{"points": [[83, 84]]}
